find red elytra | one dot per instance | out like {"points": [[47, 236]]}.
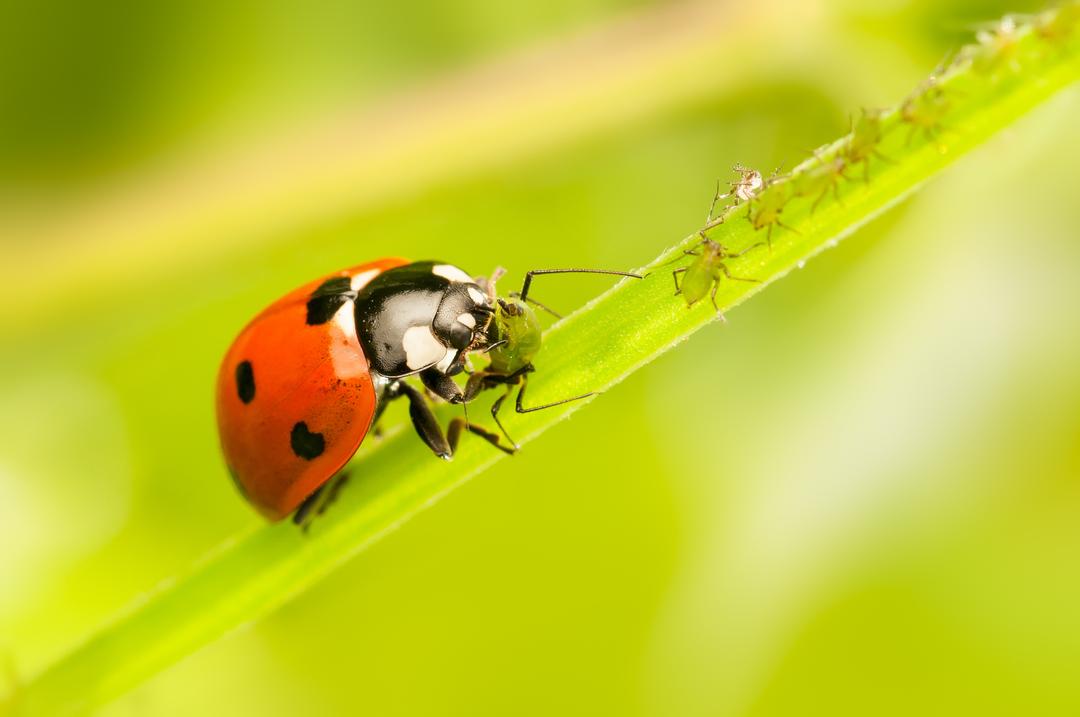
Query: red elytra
{"points": [[294, 401]]}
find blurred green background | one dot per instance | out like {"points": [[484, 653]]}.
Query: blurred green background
{"points": [[860, 496]]}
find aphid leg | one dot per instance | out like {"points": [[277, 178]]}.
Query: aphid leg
{"points": [[785, 226], [824, 193], [675, 276], [712, 207], [495, 407], [836, 191], [712, 297], [740, 253], [727, 273], [521, 396], [911, 134], [884, 158]]}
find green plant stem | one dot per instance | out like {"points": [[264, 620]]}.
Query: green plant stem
{"points": [[596, 347]]}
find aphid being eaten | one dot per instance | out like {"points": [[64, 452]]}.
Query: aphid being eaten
{"points": [[866, 135], [925, 109], [764, 210], [818, 179], [706, 271], [515, 338]]}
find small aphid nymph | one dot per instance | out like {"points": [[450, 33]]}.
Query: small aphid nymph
{"points": [[764, 210], [997, 48], [1058, 25], [817, 180], [925, 109], [706, 271], [866, 135]]}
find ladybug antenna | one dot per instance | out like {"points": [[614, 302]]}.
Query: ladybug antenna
{"points": [[537, 272]]}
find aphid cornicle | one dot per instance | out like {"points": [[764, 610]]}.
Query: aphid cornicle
{"points": [[306, 380], [706, 271]]}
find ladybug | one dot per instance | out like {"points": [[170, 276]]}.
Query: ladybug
{"points": [[308, 378]]}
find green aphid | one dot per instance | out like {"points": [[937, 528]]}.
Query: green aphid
{"points": [[997, 48], [817, 180], [926, 109], [705, 272], [516, 338], [764, 210], [866, 135], [1059, 24]]}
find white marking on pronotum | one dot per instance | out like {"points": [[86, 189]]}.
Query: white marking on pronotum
{"points": [[444, 365], [361, 280], [477, 296], [451, 273], [421, 347], [468, 320]]}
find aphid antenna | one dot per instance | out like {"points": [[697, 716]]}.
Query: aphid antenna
{"points": [[692, 251], [712, 207], [488, 283], [537, 304], [727, 255], [524, 294]]}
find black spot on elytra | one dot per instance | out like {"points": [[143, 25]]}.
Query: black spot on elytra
{"points": [[245, 381], [325, 301], [305, 444]]}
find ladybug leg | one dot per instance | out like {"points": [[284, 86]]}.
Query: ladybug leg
{"points": [[442, 386], [317, 503], [424, 422], [478, 382], [376, 429]]}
